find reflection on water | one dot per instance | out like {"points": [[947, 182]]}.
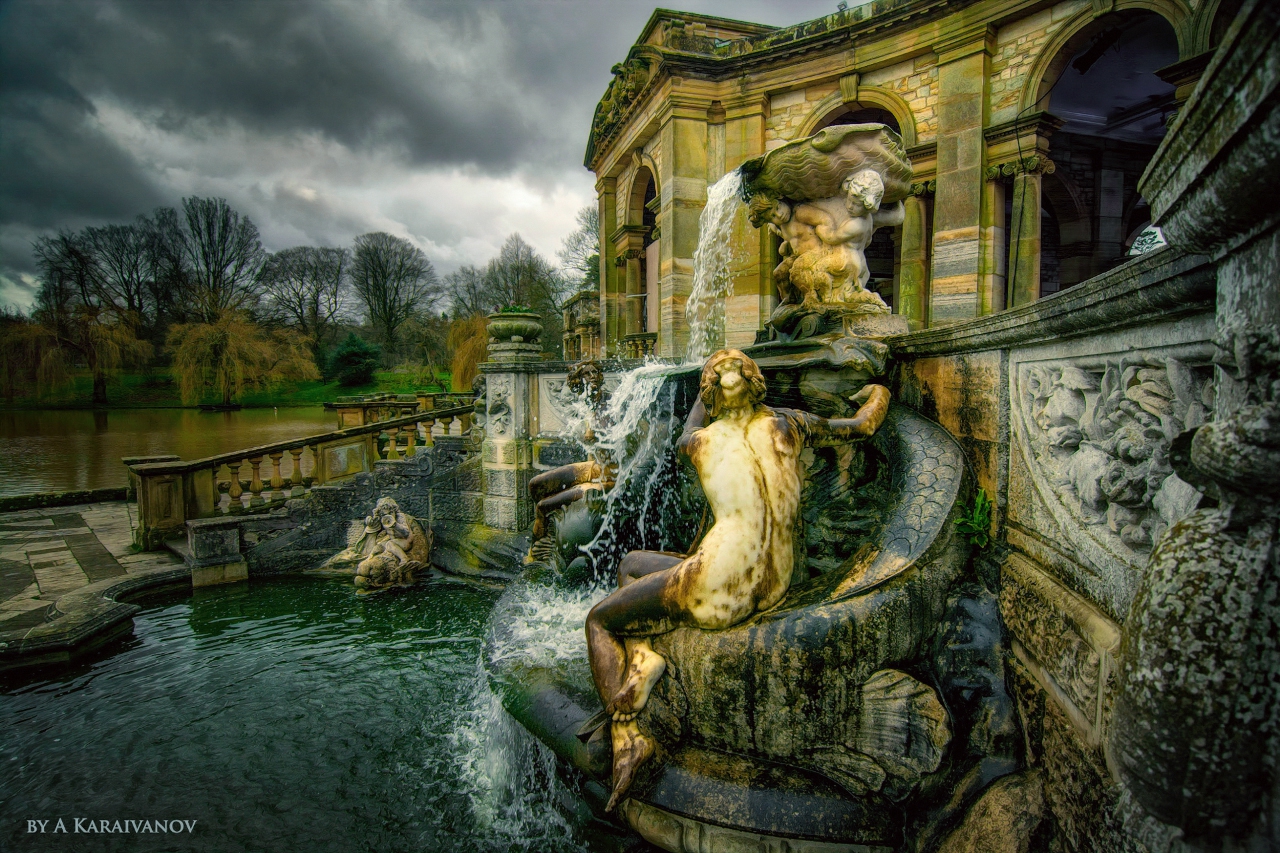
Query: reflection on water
{"points": [[290, 715], [60, 451]]}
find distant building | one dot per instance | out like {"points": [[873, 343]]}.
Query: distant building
{"points": [[1028, 125], [582, 326]]}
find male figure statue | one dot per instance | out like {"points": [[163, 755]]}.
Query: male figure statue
{"points": [[747, 458]]}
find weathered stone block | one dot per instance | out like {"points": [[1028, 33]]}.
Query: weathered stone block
{"points": [[508, 513], [508, 482], [1066, 643]]}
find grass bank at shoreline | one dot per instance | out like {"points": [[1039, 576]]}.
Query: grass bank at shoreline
{"points": [[157, 390]]}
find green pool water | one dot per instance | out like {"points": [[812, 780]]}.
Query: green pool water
{"points": [[286, 715]]}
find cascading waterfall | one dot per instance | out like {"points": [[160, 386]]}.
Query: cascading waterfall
{"points": [[712, 263], [509, 774]]}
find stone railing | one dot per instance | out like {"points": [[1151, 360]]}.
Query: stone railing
{"points": [[373, 408], [169, 493]]}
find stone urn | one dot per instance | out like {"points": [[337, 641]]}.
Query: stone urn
{"points": [[514, 336]]}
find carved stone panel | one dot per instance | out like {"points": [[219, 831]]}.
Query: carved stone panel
{"points": [[1091, 425]]}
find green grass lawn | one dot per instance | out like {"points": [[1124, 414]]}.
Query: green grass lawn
{"points": [[157, 389]]}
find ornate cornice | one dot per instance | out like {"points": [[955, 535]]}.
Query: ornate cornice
{"points": [[1041, 123]]}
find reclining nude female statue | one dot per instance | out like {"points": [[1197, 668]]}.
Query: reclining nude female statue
{"points": [[747, 459]]}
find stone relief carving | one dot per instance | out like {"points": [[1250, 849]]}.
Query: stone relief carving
{"points": [[1100, 436], [498, 417]]}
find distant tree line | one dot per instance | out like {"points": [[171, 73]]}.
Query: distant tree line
{"points": [[194, 290]]}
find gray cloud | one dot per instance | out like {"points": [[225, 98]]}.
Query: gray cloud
{"points": [[318, 119]]}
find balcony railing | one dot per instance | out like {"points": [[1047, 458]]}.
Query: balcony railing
{"points": [[170, 493]]}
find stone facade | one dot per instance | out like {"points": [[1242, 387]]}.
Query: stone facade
{"points": [[1125, 429], [968, 85]]}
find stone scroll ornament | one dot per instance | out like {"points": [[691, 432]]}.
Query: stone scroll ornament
{"points": [[825, 196], [747, 457], [386, 549], [1195, 736]]}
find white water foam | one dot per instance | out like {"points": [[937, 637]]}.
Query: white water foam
{"points": [[712, 262]]}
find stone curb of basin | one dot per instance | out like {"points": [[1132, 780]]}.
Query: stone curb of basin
{"points": [[86, 619]]}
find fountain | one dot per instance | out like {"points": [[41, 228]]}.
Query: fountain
{"points": [[858, 705]]}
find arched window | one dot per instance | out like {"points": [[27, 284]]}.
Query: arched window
{"points": [[1103, 85]]}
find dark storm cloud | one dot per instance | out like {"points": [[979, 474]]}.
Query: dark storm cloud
{"points": [[110, 108]]}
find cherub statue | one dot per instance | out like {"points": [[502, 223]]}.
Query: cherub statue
{"points": [[747, 456], [386, 548]]}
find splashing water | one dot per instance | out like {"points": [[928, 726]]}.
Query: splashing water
{"points": [[651, 505], [711, 266]]}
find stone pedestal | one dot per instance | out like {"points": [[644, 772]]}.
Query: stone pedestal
{"points": [[510, 390]]}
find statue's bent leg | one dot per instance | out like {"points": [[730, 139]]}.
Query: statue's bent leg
{"points": [[642, 608], [637, 564], [628, 617]]}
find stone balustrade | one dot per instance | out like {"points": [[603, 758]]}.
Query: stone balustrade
{"points": [[169, 493], [371, 408]]}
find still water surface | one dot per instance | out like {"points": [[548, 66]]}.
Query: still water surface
{"points": [[60, 451], [286, 715]]}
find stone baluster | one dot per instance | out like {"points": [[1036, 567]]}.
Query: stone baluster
{"points": [[295, 478], [277, 482], [411, 439], [316, 469], [393, 443], [235, 491], [428, 425], [447, 422], [255, 484]]}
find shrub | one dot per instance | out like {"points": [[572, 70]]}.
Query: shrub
{"points": [[353, 361]]}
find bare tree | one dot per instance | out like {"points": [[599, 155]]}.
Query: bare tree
{"points": [[307, 288], [74, 317], [121, 270], [168, 271], [224, 257], [465, 288], [580, 251], [393, 280], [519, 276]]}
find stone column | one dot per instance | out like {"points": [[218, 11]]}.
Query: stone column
{"points": [[635, 292], [993, 269], [610, 309], [913, 277], [1024, 229], [753, 298], [507, 451], [683, 188], [963, 71]]}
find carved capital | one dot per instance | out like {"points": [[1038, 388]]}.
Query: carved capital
{"points": [[1033, 165], [923, 188]]}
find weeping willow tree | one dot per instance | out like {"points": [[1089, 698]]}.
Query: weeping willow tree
{"points": [[468, 341], [233, 355]]}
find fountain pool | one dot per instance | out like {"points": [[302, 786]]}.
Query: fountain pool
{"points": [[289, 714]]}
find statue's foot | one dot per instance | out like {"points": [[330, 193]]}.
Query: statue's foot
{"points": [[630, 750], [643, 672]]}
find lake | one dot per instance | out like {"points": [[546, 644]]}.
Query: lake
{"points": [[66, 450]]}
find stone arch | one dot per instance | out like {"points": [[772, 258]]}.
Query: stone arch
{"points": [[868, 97], [1213, 21], [640, 180], [1064, 44]]}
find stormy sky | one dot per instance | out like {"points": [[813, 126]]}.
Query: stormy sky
{"points": [[452, 124]]}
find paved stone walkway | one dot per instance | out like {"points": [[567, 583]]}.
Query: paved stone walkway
{"points": [[47, 553]]}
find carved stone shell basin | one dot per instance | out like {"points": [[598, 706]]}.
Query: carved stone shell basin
{"points": [[520, 327], [814, 167], [797, 722]]}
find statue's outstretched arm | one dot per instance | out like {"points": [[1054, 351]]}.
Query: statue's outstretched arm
{"points": [[873, 405], [888, 217]]}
